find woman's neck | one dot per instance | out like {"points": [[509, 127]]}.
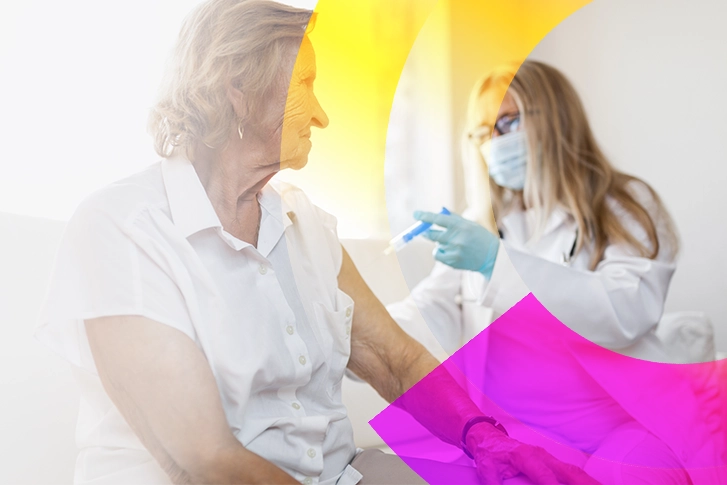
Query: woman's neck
{"points": [[233, 180]]}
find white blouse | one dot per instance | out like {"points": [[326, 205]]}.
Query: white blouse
{"points": [[270, 320]]}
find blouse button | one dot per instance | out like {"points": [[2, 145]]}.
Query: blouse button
{"points": [[289, 329], [311, 452], [295, 405], [348, 312], [262, 269], [308, 481], [302, 360]]}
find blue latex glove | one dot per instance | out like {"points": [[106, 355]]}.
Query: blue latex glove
{"points": [[463, 244]]}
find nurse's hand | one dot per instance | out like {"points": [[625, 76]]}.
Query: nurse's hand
{"points": [[463, 244], [499, 457]]}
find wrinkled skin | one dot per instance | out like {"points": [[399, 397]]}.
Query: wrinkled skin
{"points": [[302, 110], [499, 457]]}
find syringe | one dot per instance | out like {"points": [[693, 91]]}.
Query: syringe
{"points": [[410, 233]]}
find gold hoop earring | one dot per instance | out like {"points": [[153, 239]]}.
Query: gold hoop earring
{"points": [[240, 129]]}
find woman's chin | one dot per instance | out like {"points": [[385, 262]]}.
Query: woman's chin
{"points": [[294, 163]]}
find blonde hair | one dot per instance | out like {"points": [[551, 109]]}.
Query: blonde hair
{"points": [[240, 43], [566, 168]]}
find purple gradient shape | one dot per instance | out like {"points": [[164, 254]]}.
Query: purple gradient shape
{"points": [[680, 404]]}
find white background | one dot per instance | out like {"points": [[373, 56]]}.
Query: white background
{"points": [[78, 80]]}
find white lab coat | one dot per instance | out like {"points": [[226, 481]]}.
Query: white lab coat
{"points": [[616, 306]]}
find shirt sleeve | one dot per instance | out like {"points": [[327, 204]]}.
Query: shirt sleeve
{"points": [[330, 234], [109, 265]]}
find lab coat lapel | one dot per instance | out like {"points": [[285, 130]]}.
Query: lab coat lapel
{"points": [[520, 225], [514, 229], [556, 239], [558, 218]]}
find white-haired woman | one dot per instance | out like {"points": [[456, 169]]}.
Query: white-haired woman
{"points": [[594, 245], [204, 309]]}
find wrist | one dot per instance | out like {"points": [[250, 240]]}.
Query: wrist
{"points": [[475, 428], [490, 258]]}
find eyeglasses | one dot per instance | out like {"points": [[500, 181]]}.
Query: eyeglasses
{"points": [[505, 124]]}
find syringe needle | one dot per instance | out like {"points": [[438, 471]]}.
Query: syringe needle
{"points": [[405, 237]]}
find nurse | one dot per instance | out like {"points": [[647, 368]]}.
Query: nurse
{"points": [[563, 215], [594, 245]]}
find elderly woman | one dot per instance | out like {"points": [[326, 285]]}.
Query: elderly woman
{"points": [[207, 312]]}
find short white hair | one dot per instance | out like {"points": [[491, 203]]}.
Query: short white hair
{"points": [[223, 43]]}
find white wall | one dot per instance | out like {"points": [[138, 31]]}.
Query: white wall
{"points": [[419, 164], [653, 77], [39, 402]]}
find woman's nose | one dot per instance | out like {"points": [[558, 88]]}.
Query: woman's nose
{"points": [[320, 118]]}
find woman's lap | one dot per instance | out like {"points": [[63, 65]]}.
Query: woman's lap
{"points": [[382, 468]]}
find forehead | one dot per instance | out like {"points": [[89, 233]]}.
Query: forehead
{"points": [[487, 104], [509, 105], [305, 63]]}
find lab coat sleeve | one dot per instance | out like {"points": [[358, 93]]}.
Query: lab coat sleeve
{"points": [[431, 314], [618, 303], [613, 306], [505, 287]]}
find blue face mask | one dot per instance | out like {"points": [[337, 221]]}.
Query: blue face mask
{"points": [[506, 158]]}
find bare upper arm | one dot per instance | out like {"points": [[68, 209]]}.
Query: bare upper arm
{"points": [[164, 388], [381, 352]]}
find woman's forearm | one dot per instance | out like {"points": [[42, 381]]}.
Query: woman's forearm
{"points": [[238, 465], [439, 403], [392, 362]]}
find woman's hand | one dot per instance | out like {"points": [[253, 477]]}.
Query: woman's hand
{"points": [[463, 244], [499, 457]]}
